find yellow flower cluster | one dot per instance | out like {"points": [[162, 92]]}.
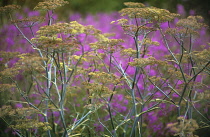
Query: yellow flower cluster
{"points": [[138, 10], [156, 80], [204, 95], [8, 8], [25, 111], [96, 105], [5, 110], [9, 72], [134, 5], [92, 58], [178, 74], [120, 21], [131, 29], [6, 87], [185, 127], [97, 90], [202, 56], [17, 113], [51, 36], [148, 41], [76, 57], [50, 4], [91, 30], [20, 121], [101, 84], [143, 62], [30, 124], [187, 26], [105, 78], [129, 52], [76, 28], [30, 63], [8, 55], [29, 21], [191, 22], [184, 32], [101, 37], [109, 45], [66, 28]]}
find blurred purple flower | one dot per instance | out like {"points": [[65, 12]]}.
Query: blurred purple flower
{"points": [[192, 12], [98, 127], [181, 10], [18, 105], [125, 102]]}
